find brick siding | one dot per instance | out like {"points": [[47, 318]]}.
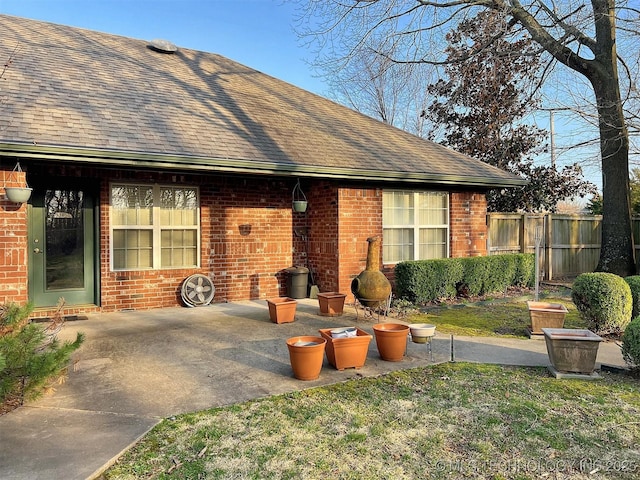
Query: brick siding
{"points": [[468, 224], [13, 242], [249, 236]]}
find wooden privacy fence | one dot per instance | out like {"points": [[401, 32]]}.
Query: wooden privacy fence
{"points": [[569, 244]]}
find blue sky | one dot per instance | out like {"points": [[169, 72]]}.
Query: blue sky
{"points": [[256, 33]]}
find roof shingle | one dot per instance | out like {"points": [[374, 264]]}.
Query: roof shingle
{"points": [[90, 95]]}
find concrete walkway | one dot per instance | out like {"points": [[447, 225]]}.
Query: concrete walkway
{"points": [[136, 368]]}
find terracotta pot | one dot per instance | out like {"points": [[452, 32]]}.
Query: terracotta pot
{"points": [[546, 315], [282, 309], [331, 303], [348, 352], [391, 340], [306, 355], [572, 350]]}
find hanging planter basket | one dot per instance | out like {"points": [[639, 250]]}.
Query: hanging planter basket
{"points": [[17, 194], [299, 200]]}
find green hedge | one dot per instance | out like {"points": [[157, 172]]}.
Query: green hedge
{"points": [[422, 281]]}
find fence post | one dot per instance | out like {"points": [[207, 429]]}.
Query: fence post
{"points": [[548, 247], [523, 233]]}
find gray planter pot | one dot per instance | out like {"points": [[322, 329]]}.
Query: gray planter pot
{"points": [[572, 350]]}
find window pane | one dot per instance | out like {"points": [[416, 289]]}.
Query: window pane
{"points": [[132, 249], [131, 205], [178, 206], [190, 256], [433, 208], [179, 248], [119, 259], [397, 208], [118, 239], [433, 243], [397, 244]]}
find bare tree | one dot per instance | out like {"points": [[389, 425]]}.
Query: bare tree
{"points": [[377, 86], [580, 36]]}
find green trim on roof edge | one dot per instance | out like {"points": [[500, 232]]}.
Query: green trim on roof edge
{"points": [[203, 164]]}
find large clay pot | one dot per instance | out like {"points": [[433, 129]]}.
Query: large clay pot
{"points": [[391, 340], [306, 355], [371, 287]]}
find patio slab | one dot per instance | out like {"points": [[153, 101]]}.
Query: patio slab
{"points": [[136, 368]]}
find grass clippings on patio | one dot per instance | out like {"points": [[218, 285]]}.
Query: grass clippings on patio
{"points": [[452, 420]]}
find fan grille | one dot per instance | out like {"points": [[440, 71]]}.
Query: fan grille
{"points": [[197, 290]]}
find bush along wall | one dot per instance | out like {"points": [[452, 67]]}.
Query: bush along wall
{"points": [[423, 281]]}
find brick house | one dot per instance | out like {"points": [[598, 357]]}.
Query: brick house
{"points": [[149, 164]]}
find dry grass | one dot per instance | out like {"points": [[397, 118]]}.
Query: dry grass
{"points": [[446, 421]]}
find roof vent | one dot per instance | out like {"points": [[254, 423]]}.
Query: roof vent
{"points": [[162, 46]]}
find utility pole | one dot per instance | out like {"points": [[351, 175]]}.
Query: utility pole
{"points": [[552, 133]]}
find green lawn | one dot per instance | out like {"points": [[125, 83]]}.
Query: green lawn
{"points": [[452, 421], [489, 318]]}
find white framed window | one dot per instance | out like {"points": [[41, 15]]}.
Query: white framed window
{"points": [[415, 225], [154, 226]]}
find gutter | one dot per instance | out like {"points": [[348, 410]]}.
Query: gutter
{"points": [[243, 166]]}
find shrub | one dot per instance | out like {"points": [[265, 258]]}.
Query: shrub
{"points": [[475, 276], [634, 284], [32, 356], [502, 269], [604, 301], [525, 274], [490, 274], [424, 281], [631, 344], [428, 280]]}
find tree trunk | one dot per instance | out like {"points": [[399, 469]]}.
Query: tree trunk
{"points": [[617, 252]]}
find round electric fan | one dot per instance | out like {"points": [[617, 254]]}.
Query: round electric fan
{"points": [[197, 290]]}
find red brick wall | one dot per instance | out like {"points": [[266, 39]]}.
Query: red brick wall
{"points": [[13, 242], [359, 217], [323, 235], [249, 235], [468, 224], [246, 243], [249, 224]]}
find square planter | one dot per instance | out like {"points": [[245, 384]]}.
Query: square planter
{"points": [[282, 309], [546, 315], [331, 303], [572, 350], [349, 352]]}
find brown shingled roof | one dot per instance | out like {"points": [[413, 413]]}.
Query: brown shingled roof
{"points": [[94, 97]]}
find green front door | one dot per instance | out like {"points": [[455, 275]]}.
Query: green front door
{"points": [[62, 246]]}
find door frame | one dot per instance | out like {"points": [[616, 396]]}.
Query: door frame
{"points": [[90, 187]]}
